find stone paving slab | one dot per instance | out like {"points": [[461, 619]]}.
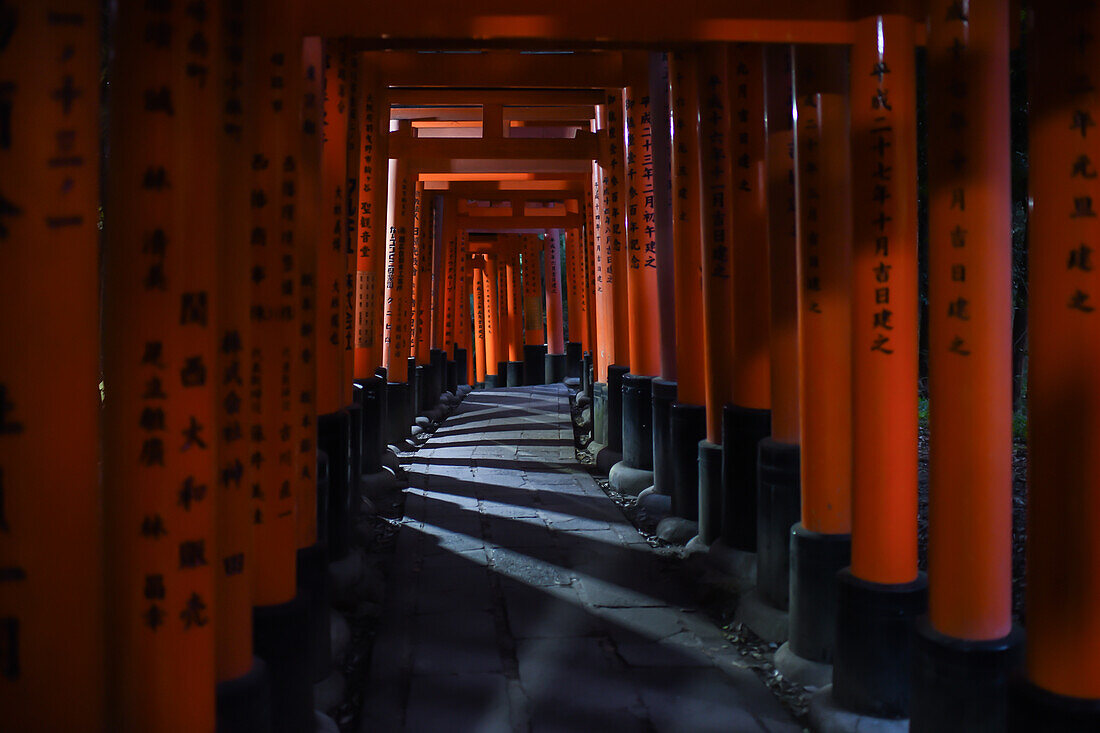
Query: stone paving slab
{"points": [[521, 599]]}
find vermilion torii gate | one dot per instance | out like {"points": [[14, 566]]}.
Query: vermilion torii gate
{"points": [[320, 218]]}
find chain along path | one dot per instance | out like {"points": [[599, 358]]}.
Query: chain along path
{"points": [[521, 599]]}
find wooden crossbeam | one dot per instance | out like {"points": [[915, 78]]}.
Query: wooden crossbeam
{"points": [[495, 69]]}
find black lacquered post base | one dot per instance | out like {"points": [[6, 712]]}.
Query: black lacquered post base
{"points": [[615, 374], [534, 364], [412, 396], [742, 430], [599, 413], [586, 370], [573, 359], [494, 380], [687, 425], [423, 388], [439, 374], [874, 644], [664, 396], [461, 368], [962, 686], [816, 559], [710, 491], [1031, 708], [355, 436], [638, 421], [372, 403], [451, 371], [590, 374], [243, 704], [778, 508], [281, 637], [502, 373], [554, 370], [515, 374], [333, 437], [398, 418], [313, 586]]}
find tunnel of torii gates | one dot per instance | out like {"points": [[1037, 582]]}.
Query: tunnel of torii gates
{"points": [[241, 268]]}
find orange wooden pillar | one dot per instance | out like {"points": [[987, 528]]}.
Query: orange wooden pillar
{"points": [[1063, 550], [491, 303], [503, 324], [576, 315], [478, 275], [821, 542], [421, 336], [444, 319], [534, 335], [464, 345], [371, 273], [643, 311], [762, 209], [882, 592], [515, 314], [970, 298], [717, 239], [51, 520], [159, 355], [687, 419], [555, 335], [589, 244], [397, 332]]}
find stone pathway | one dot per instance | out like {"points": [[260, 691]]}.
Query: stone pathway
{"points": [[521, 599]]}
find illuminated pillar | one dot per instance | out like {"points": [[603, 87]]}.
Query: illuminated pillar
{"points": [[515, 315], [51, 520], [370, 222], [881, 593], [490, 283], [717, 278], [451, 286], [820, 545], [464, 348], [478, 275], [687, 419], [555, 335], [534, 335], [423, 259], [762, 209], [1062, 690], [159, 356], [577, 320], [402, 187], [643, 313]]}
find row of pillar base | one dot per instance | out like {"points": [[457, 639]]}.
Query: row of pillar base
{"points": [[869, 646], [537, 367], [292, 640]]}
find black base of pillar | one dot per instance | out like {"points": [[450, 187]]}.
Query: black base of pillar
{"points": [[451, 369], [494, 380], [381, 373], [874, 644], [586, 374], [710, 491], [615, 374], [355, 435], [534, 364], [778, 508], [742, 430], [638, 421], [372, 403], [554, 371], [815, 561], [461, 366], [1031, 708], [573, 359], [313, 586], [423, 388], [322, 498], [515, 374], [244, 703], [961, 686], [333, 437], [599, 413], [397, 408], [281, 637], [502, 373], [664, 396], [591, 372], [687, 426], [439, 374]]}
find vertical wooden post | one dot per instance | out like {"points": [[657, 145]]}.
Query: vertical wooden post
{"points": [[534, 335], [883, 593], [159, 359], [423, 257], [555, 335], [398, 271], [464, 345], [615, 186], [687, 420], [51, 521], [591, 242], [332, 262], [450, 277], [1063, 550], [821, 543], [515, 315], [490, 284], [479, 320], [717, 277], [574, 295], [370, 219]]}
